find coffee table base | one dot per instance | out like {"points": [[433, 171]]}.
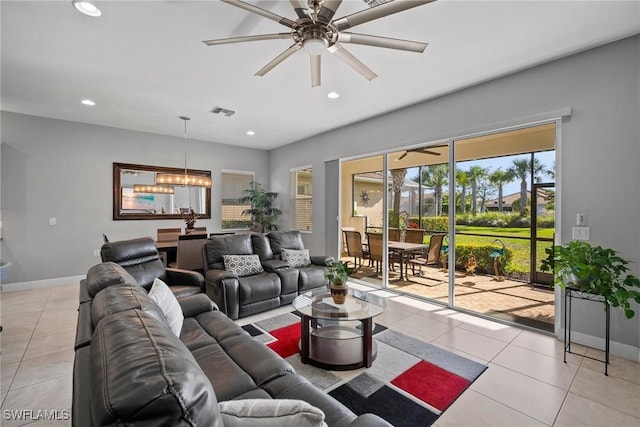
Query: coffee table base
{"points": [[338, 347]]}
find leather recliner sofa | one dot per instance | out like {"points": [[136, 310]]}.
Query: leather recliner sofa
{"points": [[141, 259], [131, 369], [278, 284]]}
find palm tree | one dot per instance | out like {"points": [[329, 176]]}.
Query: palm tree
{"points": [[475, 174], [397, 182], [462, 180], [499, 178], [521, 168], [263, 214], [436, 177]]}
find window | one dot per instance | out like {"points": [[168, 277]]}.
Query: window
{"points": [[233, 185], [301, 199]]}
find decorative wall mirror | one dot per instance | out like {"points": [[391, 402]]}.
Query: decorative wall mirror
{"points": [[157, 202]]}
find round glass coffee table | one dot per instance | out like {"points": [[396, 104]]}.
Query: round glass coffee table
{"points": [[338, 336]]}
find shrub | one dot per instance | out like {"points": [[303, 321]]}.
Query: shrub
{"points": [[482, 254], [434, 223]]}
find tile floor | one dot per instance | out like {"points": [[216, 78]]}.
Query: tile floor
{"points": [[527, 383]]}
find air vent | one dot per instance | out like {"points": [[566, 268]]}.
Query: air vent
{"points": [[224, 111]]}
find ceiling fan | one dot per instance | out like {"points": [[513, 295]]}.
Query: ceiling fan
{"points": [[316, 31], [418, 150]]}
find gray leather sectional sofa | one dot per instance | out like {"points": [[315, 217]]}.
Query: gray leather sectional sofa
{"points": [[130, 369]]}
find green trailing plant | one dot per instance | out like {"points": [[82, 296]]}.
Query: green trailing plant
{"points": [[264, 216], [337, 272], [595, 270]]}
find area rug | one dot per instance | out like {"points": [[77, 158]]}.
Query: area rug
{"points": [[411, 383]]}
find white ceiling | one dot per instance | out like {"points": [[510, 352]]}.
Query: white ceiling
{"points": [[144, 64]]}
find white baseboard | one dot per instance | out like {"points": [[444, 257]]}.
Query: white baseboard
{"points": [[618, 349], [36, 284]]}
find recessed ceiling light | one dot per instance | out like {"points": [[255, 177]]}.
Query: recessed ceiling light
{"points": [[88, 102], [333, 95], [87, 8], [250, 133]]}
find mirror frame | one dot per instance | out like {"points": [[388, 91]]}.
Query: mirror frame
{"points": [[117, 199]]}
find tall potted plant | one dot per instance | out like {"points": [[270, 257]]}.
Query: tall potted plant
{"points": [[595, 270], [263, 215], [337, 275]]}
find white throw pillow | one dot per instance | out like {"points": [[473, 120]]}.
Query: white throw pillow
{"points": [[242, 265], [270, 413], [296, 258], [169, 305]]}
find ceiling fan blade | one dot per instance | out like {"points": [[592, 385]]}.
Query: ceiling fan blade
{"points": [[433, 153], [402, 156], [278, 59], [262, 12], [247, 39], [328, 9], [376, 12], [301, 9], [364, 39], [315, 70], [352, 61]]}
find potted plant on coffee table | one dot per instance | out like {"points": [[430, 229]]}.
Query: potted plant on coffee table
{"points": [[337, 275], [595, 270]]}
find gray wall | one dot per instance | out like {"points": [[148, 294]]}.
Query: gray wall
{"points": [[54, 168], [598, 162]]}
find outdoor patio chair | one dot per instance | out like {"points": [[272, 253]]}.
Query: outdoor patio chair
{"points": [[375, 251], [353, 241], [432, 255]]}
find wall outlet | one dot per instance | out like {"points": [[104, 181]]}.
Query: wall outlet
{"points": [[580, 233], [96, 252]]}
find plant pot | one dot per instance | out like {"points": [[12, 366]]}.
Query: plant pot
{"points": [[338, 292]]}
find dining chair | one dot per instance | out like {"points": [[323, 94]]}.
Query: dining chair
{"points": [[189, 252], [432, 256], [375, 251], [394, 234], [353, 241]]}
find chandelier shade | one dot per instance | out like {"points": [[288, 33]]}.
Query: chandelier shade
{"points": [[155, 189], [183, 179]]}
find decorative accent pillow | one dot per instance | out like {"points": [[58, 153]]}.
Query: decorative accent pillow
{"points": [[169, 305], [296, 258], [270, 413], [242, 265]]}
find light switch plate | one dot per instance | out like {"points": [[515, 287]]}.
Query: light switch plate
{"points": [[580, 233]]}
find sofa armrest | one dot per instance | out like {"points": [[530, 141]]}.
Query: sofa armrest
{"points": [[321, 260], [195, 304], [176, 276], [273, 264], [224, 289]]}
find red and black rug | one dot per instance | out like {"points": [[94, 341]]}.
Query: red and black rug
{"points": [[410, 383]]}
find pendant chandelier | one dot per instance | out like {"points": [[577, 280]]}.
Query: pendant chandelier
{"points": [[184, 179], [155, 189]]}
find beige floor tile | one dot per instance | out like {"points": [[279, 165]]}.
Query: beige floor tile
{"points": [[460, 353], [469, 342], [13, 352], [44, 368], [45, 328], [392, 315], [578, 411], [491, 329], [10, 310], [549, 345], [472, 409], [15, 333], [21, 318], [539, 366], [533, 398], [41, 346], [53, 396], [7, 372], [618, 367], [609, 391], [423, 327]]}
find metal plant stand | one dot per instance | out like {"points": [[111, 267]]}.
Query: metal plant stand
{"points": [[569, 295]]}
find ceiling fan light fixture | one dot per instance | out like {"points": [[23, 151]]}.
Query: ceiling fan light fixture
{"points": [[315, 46], [87, 8]]}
